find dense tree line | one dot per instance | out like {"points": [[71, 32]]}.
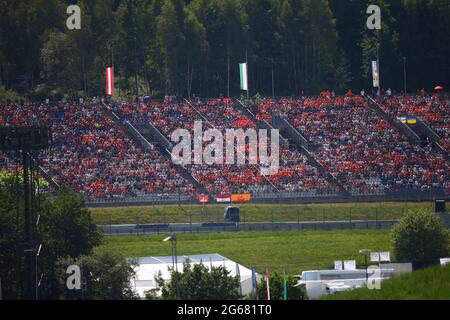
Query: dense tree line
{"points": [[65, 230], [191, 47]]}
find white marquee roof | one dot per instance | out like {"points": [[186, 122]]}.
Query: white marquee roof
{"points": [[149, 267]]}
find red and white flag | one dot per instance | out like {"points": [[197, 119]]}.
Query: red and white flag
{"points": [[202, 199], [109, 81], [267, 286], [224, 198]]}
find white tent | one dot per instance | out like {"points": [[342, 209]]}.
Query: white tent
{"points": [[147, 269]]}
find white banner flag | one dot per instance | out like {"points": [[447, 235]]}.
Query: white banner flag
{"points": [[375, 257], [376, 74], [243, 73], [385, 256], [350, 265]]}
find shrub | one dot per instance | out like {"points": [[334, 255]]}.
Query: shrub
{"points": [[197, 282], [276, 283], [420, 237]]}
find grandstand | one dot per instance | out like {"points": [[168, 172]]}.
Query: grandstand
{"points": [[349, 150], [360, 148]]}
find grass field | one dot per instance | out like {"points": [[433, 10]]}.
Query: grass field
{"points": [[294, 251], [257, 213], [428, 284]]}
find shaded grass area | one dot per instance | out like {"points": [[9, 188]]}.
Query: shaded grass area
{"points": [[256, 212], [428, 284], [293, 251]]}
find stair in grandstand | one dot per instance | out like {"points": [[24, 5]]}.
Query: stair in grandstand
{"points": [[402, 127], [260, 124], [417, 131], [240, 106], [47, 176], [427, 135], [298, 141], [148, 136], [292, 133]]}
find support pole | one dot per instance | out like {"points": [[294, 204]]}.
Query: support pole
{"points": [[29, 253], [248, 85]]}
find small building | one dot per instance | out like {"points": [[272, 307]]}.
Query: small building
{"points": [[323, 282], [148, 268]]}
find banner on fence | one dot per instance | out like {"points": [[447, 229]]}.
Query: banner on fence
{"points": [[224, 198], [241, 198], [202, 199], [408, 120]]}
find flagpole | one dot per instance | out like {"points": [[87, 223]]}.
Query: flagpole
{"points": [[246, 61], [404, 75], [267, 286], [238, 274], [379, 72], [273, 83], [254, 284]]}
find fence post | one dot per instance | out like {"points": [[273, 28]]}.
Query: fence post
{"points": [[190, 219], [272, 219]]}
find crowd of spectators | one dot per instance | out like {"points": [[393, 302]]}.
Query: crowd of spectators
{"points": [[95, 157], [294, 175], [358, 147], [366, 154]]}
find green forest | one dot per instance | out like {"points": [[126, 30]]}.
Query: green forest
{"points": [[193, 47]]}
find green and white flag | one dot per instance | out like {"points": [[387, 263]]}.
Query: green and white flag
{"points": [[244, 79]]}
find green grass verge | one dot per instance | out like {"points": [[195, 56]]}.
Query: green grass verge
{"points": [[256, 213], [293, 251], [428, 284]]}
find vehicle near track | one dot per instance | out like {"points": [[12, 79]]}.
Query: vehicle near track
{"points": [[232, 214]]}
